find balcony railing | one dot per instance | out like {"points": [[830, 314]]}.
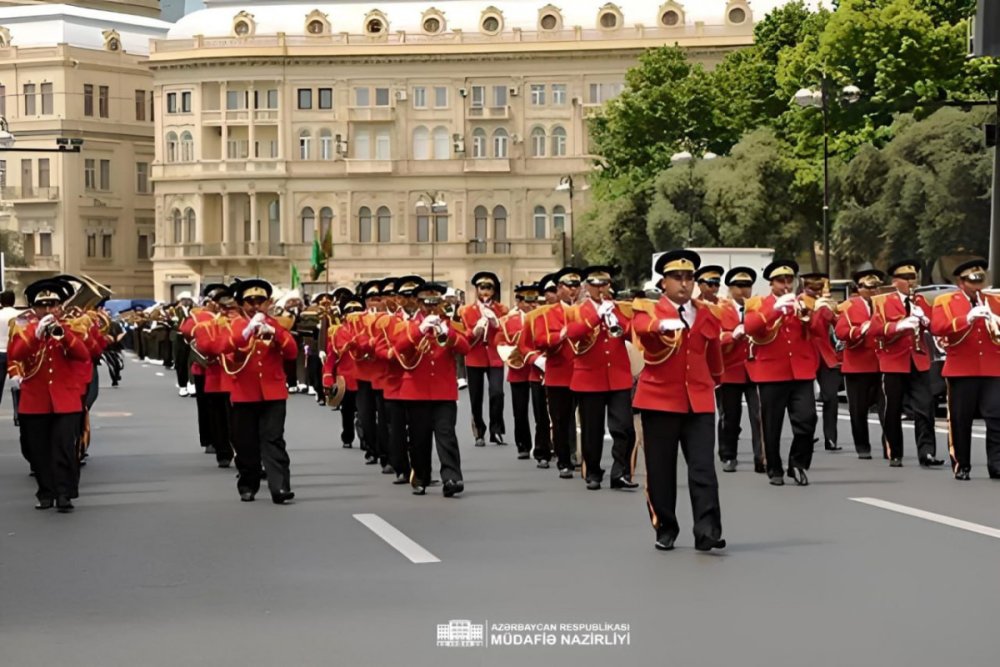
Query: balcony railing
{"points": [[371, 114], [369, 166], [487, 165], [29, 193], [41, 263], [498, 113], [217, 250]]}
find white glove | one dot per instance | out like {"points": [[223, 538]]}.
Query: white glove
{"points": [[670, 325], [606, 308], [322, 356], [491, 317], [739, 332], [918, 312], [428, 323], [258, 318], [15, 382], [540, 362], [978, 313], [907, 323], [265, 329], [250, 328], [865, 327], [43, 325], [482, 324], [785, 302], [442, 326]]}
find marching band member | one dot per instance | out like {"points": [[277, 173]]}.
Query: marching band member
{"points": [[185, 332], [482, 320], [255, 352], [50, 407], [371, 405], [783, 368], [602, 379], [815, 288], [708, 278], [179, 344], [968, 319], [381, 328], [208, 330], [675, 395], [860, 366], [900, 320], [426, 348], [542, 453], [736, 385], [340, 362], [521, 370]]}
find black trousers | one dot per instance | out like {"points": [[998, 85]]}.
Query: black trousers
{"points": [[374, 421], [618, 407], [51, 444], [259, 436], [433, 421], [291, 374], [520, 398], [115, 363], [561, 414], [543, 435], [862, 394], [399, 436], [204, 423], [348, 410], [829, 384], [182, 359], [729, 399], [314, 375], [694, 432], [967, 398], [216, 407], [166, 351], [796, 398], [913, 388], [477, 377]]}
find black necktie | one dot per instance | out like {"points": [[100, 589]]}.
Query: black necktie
{"points": [[680, 312], [906, 302], [741, 313], [974, 300]]}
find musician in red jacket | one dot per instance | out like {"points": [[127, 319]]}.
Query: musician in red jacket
{"points": [[680, 340], [736, 385], [860, 365], [521, 370], [208, 333], [185, 335], [815, 292], [50, 407], [783, 366], [482, 321], [256, 352], [370, 369], [426, 346], [900, 321], [970, 321], [602, 379]]}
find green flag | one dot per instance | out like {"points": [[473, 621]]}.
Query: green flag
{"points": [[328, 243], [296, 279], [318, 260]]}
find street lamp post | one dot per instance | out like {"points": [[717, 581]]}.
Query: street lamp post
{"points": [[434, 202], [682, 158], [566, 185]]}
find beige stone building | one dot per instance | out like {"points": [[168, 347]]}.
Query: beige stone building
{"points": [[79, 72], [428, 137]]}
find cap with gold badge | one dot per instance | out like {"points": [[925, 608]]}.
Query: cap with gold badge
{"points": [[253, 288], [905, 268], [47, 291], [527, 292], [677, 260], [868, 278], [781, 267], [599, 275], [740, 276], [486, 279], [973, 271], [710, 273]]}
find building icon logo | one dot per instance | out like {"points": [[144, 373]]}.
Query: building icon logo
{"points": [[459, 633]]}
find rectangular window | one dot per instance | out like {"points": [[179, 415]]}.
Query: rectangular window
{"points": [[186, 102], [29, 99], [28, 243], [381, 97], [440, 97], [305, 98], [171, 101], [423, 229], [559, 94], [419, 97], [272, 99], [362, 97], [45, 244], [27, 178], [362, 145], [46, 99], [383, 145], [105, 183], [499, 96], [140, 105], [602, 92], [233, 100], [537, 94], [142, 177], [89, 174], [237, 149], [441, 228], [326, 98], [3, 100], [91, 245], [106, 245], [479, 96], [103, 101], [143, 250], [44, 175]]}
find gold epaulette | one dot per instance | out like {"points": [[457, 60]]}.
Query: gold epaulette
{"points": [[753, 303], [843, 306], [945, 299], [714, 308], [529, 318], [647, 306]]}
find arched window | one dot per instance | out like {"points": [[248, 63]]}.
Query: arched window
{"points": [[541, 220], [442, 143], [325, 144], [500, 245], [171, 147], [305, 145], [478, 142], [421, 143], [481, 219], [274, 225], [558, 219], [384, 225], [365, 224], [537, 142], [178, 226], [308, 225], [187, 147], [558, 141], [325, 221], [500, 142], [190, 225]]}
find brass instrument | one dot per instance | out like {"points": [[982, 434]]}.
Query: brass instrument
{"points": [[441, 335], [615, 328]]}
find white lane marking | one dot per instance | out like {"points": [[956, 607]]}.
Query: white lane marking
{"points": [[396, 539], [160, 374], [930, 516]]}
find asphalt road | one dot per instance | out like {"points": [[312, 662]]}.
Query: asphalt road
{"points": [[161, 565]]}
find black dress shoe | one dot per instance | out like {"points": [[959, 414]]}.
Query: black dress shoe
{"points": [[777, 480], [451, 487], [928, 461], [709, 543], [544, 465], [400, 479], [759, 467], [623, 483], [523, 455], [210, 449], [729, 465], [497, 439], [282, 497], [962, 475], [225, 464], [831, 446], [64, 505], [247, 496], [665, 543], [419, 490], [593, 484], [865, 456], [347, 445], [895, 463], [44, 504], [565, 473], [388, 469], [799, 475], [995, 475], [370, 460], [480, 442]]}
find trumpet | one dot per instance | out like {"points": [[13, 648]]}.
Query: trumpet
{"points": [[440, 333], [55, 331], [614, 326]]}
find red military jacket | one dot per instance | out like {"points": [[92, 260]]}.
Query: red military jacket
{"points": [[46, 364], [859, 347], [211, 338], [338, 363], [683, 366], [257, 368], [824, 346], [428, 368], [549, 337], [382, 332], [186, 330], [897, 348], [361, 346], [971, 350], [601, 362], [482, 350], [781, 345], [520, 366], [734, 351]]}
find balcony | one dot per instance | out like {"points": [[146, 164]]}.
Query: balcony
{"points": [[490, 113], [371, 114], [514, 249], [233, 249], [40, 263], [487, 165], [265, 115], [27, 193], [369, 166]]}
